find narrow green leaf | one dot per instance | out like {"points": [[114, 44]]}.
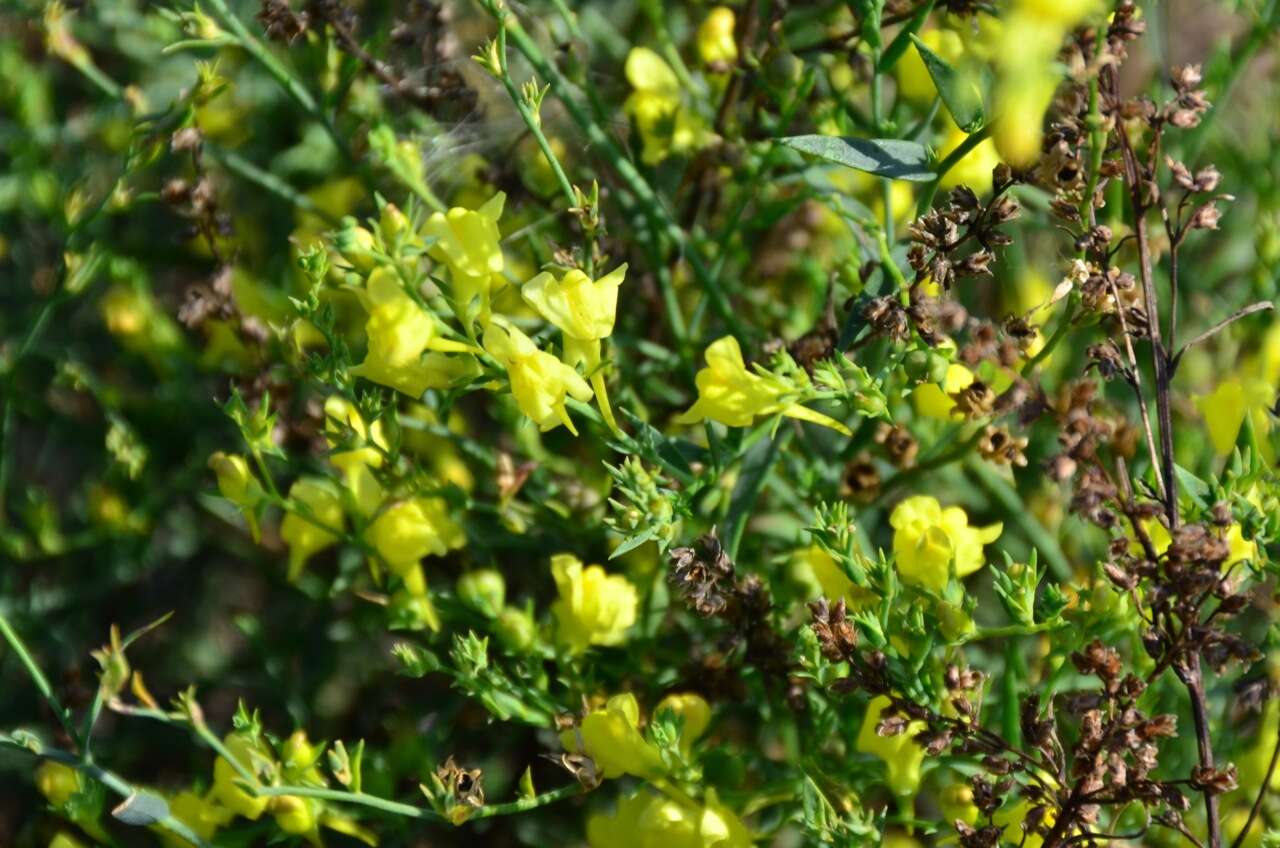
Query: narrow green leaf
{"points": [[884, 157], [958, 92], [141, 809]]}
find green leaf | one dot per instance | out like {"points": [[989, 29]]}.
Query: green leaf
{"points": [[141, 809], [958, 92], [884, 157]]}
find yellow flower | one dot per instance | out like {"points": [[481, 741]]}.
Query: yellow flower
{"points": [[974, 170], [594, 608], [408, 531], [540, 383], [611, 737], [249, 754], [733, 396], [584, 311], [57, 782], [833, 583], [342, 417], [1225, 408], [238, 485], [914, 81], [200, 813], [665, 125], [716, 45], [901, 755], [934, 401], [928, 539], [308, 536], [693, 710], [400, 332], [646, 820], [468, 243]]}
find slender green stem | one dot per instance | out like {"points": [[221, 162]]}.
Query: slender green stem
{"points": [[37, 677], [950, 161], [412, 811], [240, 166], [532, 121], [650, 204]]}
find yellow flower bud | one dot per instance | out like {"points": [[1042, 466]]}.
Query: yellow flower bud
{"points": [[484, 590], [57, 782], [593, 608], [716, 45], [310, 535], [356, 245], [293, 814], [238, 485]]}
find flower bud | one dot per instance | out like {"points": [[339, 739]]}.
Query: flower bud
{"points": [[483, 590], [293, 814], [57, 782], [356, 244], [516, 630], [716, 45]]}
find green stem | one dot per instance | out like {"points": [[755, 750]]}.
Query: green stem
{"points": [[410, 810], [603, 144], [950, 161], [237, 164], [37, 677], [532, 121]]}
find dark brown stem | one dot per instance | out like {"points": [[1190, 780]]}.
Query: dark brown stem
{"points": [[1192, 678]]}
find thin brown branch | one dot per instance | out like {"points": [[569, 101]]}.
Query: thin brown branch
{"points": [[1260, 306]]}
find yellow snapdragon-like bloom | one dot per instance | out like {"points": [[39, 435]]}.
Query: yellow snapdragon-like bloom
{"points": [[356, 464], [733, 396], [412, 529], [540, 383], [928, 540], [468, 243], [1224, 410], [248, 754], [611, 737], [901, 755], [400, 332], [308, 536], [934, 401], [238, 485], [716, 45], [665, 124], [813, 562], [584, 311], [1027, 75], [594, 607], [647, 820], [202, 813]]}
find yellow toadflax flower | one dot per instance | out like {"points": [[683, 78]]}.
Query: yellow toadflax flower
{"points": [[405, 533], [733, 396], [594, 608], [400, 332], [928, 539], [468, 243], [611, 737], [540, 383], [902, 756], [665, 124], [716, 45], [647, 820], [320, 500], [342, 418], [584, 311], [934, 401]]}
